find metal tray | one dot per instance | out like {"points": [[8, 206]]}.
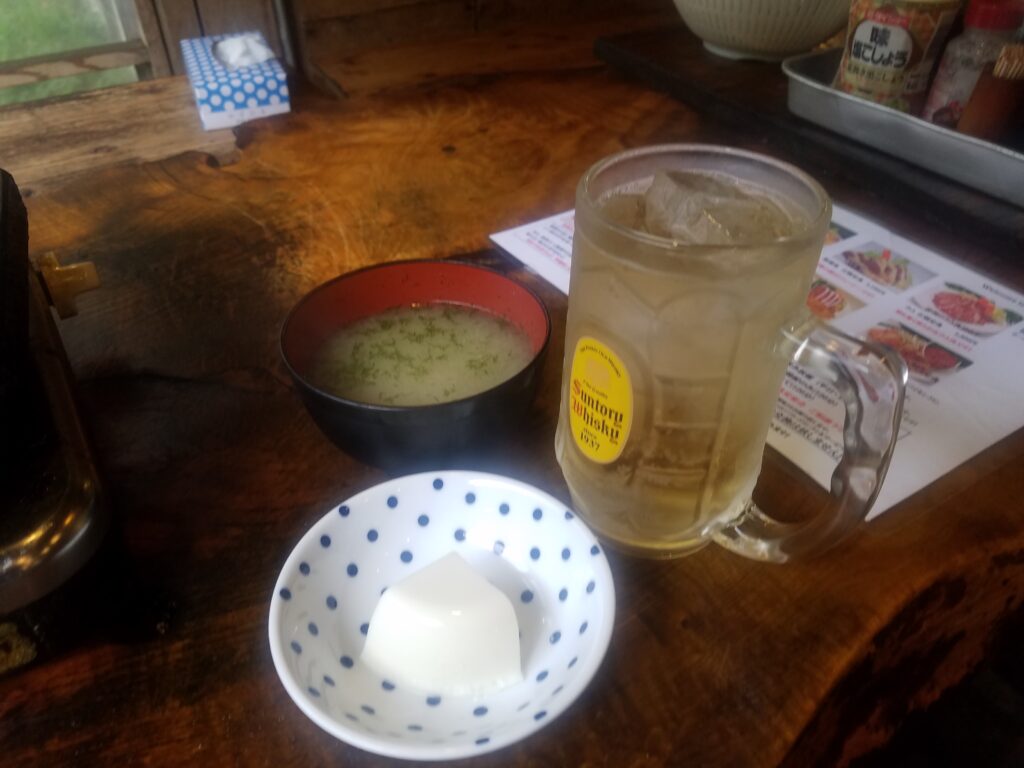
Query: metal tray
{"points": [[988, 167]]}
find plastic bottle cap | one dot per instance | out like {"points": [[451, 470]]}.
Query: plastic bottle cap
{"points": [[994, 14]]}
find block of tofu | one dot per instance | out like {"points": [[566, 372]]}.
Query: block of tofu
{"points": [[447, 630]]}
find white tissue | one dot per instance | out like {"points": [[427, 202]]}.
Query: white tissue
{"points": [[241, 51]]}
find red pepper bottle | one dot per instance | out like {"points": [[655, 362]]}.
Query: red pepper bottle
{"points": [[989, 25]]}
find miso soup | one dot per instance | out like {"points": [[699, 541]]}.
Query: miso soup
{"points": [[421, 355]]}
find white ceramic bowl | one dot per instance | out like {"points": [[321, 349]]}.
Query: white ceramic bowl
{"points": [[763, 29], [522, 540]]}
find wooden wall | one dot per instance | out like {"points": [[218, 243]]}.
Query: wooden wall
{"points": [[331, 30], [166, 22], [315, 35]]}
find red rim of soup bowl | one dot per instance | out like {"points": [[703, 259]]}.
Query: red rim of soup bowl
{"points": [[371, 290], [430, 436]]}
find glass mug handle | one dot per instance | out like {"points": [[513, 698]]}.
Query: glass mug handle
{"points": [[871, 381]]}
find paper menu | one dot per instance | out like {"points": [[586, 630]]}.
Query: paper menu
{"points": [[961, 334], [545, 246]]}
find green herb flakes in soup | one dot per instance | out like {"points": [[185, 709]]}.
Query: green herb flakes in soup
{"points": [[421, 355]]}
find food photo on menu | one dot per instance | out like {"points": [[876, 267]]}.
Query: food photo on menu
{"points": [[885, 267], [967, 309], [837, 233], [928, 361], [828, 302]]}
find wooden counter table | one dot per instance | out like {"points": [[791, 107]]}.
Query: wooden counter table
{"points": [[214, 470]]}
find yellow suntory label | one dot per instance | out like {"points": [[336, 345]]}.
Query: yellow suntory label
{"points": [[601, 401]]}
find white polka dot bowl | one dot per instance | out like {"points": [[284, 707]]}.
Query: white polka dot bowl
{"points": [[523, 541]]}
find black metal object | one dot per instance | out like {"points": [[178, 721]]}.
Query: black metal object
{"points": [[51, 521], [14, 362]]}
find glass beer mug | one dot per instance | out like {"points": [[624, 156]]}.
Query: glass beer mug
{"points": [[690, 270]]}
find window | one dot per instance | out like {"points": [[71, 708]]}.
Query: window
{"points": [[56, 47]]}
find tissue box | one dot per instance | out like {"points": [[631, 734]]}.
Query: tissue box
{"points": [[227, 97]]}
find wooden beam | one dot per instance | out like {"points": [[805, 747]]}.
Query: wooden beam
{"points": [[149, 24], [64, 63], [178, 19]]}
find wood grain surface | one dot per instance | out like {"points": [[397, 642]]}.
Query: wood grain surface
{"points": [[48, 142], [214, 469]]}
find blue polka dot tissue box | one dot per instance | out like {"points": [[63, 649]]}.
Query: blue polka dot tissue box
{"points": [[235, 78]]}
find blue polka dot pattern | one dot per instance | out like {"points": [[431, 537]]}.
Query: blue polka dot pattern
{"points": [[568, 515], [352, 717], [483, 740], [343, 510], [548, 554], [226, 97], [313, 691]]}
